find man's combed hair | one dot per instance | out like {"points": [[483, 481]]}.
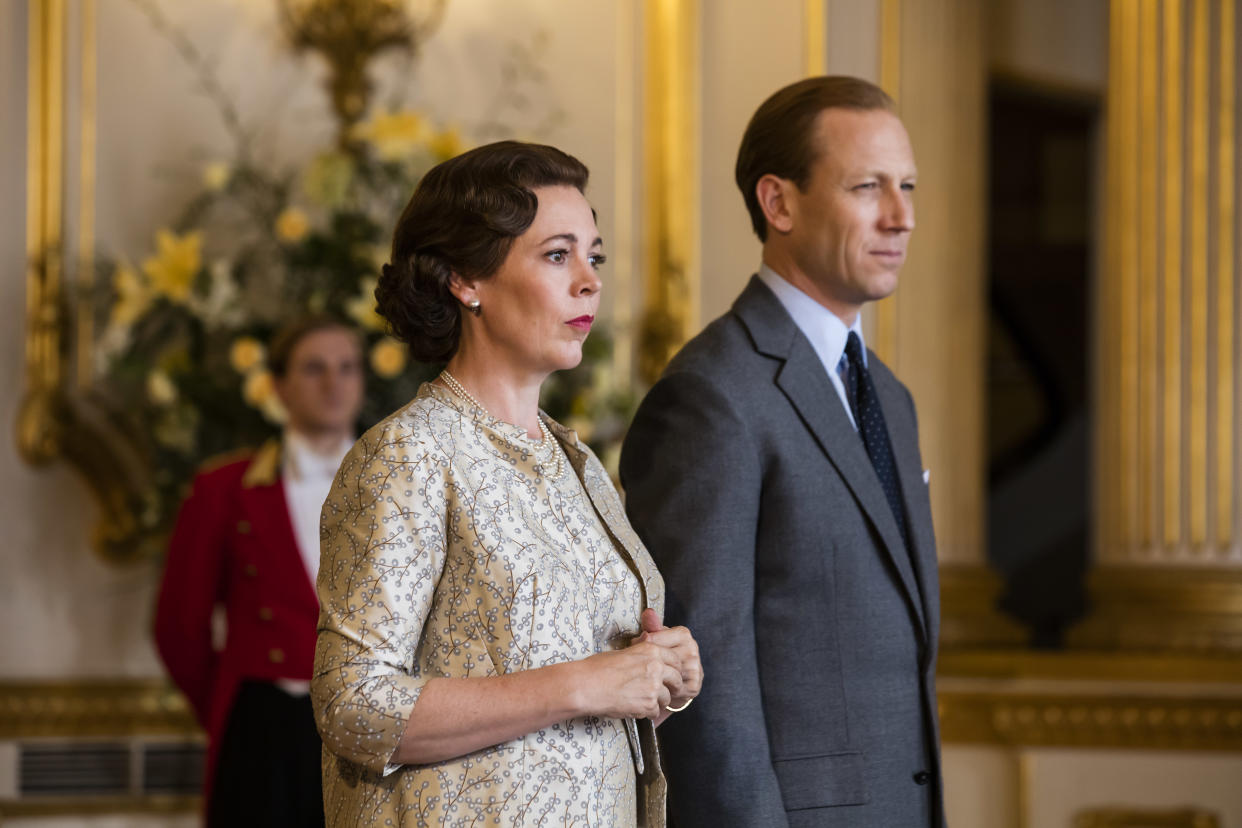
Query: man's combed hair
{"points": [[780, 138], [285, 340], [463, 218]]}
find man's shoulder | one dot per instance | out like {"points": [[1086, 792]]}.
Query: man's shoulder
{"points": [[229, 466]]}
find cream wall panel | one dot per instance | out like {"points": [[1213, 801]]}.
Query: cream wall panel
{"points": [[1060, 41], [980, 786], [854, 38], [65, 613], [749, 51], [1061, 783]]}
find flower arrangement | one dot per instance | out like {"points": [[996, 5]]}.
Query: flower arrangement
{"points": [[183, 340], [182, 349]]}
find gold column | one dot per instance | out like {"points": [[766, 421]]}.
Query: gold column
{"points": [[1169, 562], [932, 61], [671, 137]]}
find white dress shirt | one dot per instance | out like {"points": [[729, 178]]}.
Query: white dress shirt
{"points": [[825, 330], [307, 476]]}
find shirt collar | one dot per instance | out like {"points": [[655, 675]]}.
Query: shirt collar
{"points": [[825, 330], [301, 461]]}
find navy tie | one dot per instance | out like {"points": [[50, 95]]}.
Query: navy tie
{"points": [[869, 418]]}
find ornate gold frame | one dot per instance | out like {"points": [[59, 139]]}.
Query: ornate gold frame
{"points": [[62, 416]]}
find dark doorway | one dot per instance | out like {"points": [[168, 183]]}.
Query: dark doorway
{"points": [[1042, 170]]}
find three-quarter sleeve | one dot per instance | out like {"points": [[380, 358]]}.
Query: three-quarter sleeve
{"points": [[382, 544]]}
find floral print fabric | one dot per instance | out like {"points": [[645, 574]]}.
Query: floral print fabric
{"points": [[446, 551]]}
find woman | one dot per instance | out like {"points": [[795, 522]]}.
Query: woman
{"points": [[490, 648]]}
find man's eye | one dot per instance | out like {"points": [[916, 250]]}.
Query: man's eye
{"points": [[908, 186], [866, 185]]}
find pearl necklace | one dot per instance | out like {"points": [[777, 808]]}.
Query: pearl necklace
{"points": [[548, 441]]}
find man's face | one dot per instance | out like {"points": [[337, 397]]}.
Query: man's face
{"points": [[849, 228], [323, 382]]}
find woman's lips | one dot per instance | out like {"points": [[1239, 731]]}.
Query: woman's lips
{"points": [[582, 323]]}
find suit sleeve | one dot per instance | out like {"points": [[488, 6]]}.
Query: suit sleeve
{"points": [[193, 583], [383, 544], [692, 476]]}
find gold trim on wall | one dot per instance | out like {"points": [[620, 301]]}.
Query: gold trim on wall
{"points": [[671, 186], [815, 41], [885, 343], [75, 709], [100, 806], [1226, 108], [1140, 818], [1171, 306], [1163, 609], [1086, 720], [37, 439]]}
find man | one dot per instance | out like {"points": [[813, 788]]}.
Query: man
{"points": [[247, 542], [774, 473]]}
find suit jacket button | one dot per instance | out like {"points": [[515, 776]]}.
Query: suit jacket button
{"points": [[265, 613], [243, 527], [276, 655], [922, 777], [251, 570]]}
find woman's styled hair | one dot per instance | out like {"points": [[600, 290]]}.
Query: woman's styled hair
{"points": [[780, 138], [463, 218]]}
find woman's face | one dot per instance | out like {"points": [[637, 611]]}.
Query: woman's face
{"points": [[537, 308]]}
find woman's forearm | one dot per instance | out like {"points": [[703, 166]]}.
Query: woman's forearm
{"points": [[456, 716]]}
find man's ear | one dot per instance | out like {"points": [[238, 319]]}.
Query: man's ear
{"points": [[773, 194]]}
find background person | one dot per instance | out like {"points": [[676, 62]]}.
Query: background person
{"points": [[247, 540]]}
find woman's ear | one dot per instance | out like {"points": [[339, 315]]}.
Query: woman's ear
{"points": [[465, 290], [772, 193]]}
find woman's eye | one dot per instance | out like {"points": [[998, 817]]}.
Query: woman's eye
{"points": [[558, 256], [597, 260]]}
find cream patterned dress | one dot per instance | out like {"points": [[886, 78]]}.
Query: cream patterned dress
{"points": [[446, 551]]}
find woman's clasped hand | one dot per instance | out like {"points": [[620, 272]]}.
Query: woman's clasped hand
{"points": [[660, 669]]}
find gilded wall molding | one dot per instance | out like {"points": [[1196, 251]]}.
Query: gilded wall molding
{"points": [[1090, 721], [1163, 609], [1141, 818], [671, 130], [88, 708], [100, 806]]}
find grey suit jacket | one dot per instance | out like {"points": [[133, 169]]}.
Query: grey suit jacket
{"points": [[817, 625]]}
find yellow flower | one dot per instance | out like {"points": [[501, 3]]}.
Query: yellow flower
{"points": [[216, 176], [133, 296], [446, 144], [173, 268], [258, 388], [388, 358], [245, 354], [361, 308], [393, 135], [292, 225], [274, 410], [160, 389]]}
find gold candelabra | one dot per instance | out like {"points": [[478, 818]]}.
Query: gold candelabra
{"points": [[349, 34]]}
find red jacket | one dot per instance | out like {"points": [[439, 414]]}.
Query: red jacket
{"points": [[233, 545]]}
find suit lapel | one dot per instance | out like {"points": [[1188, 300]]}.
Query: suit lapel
{"points": [[805, 383], [903, 432]]}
